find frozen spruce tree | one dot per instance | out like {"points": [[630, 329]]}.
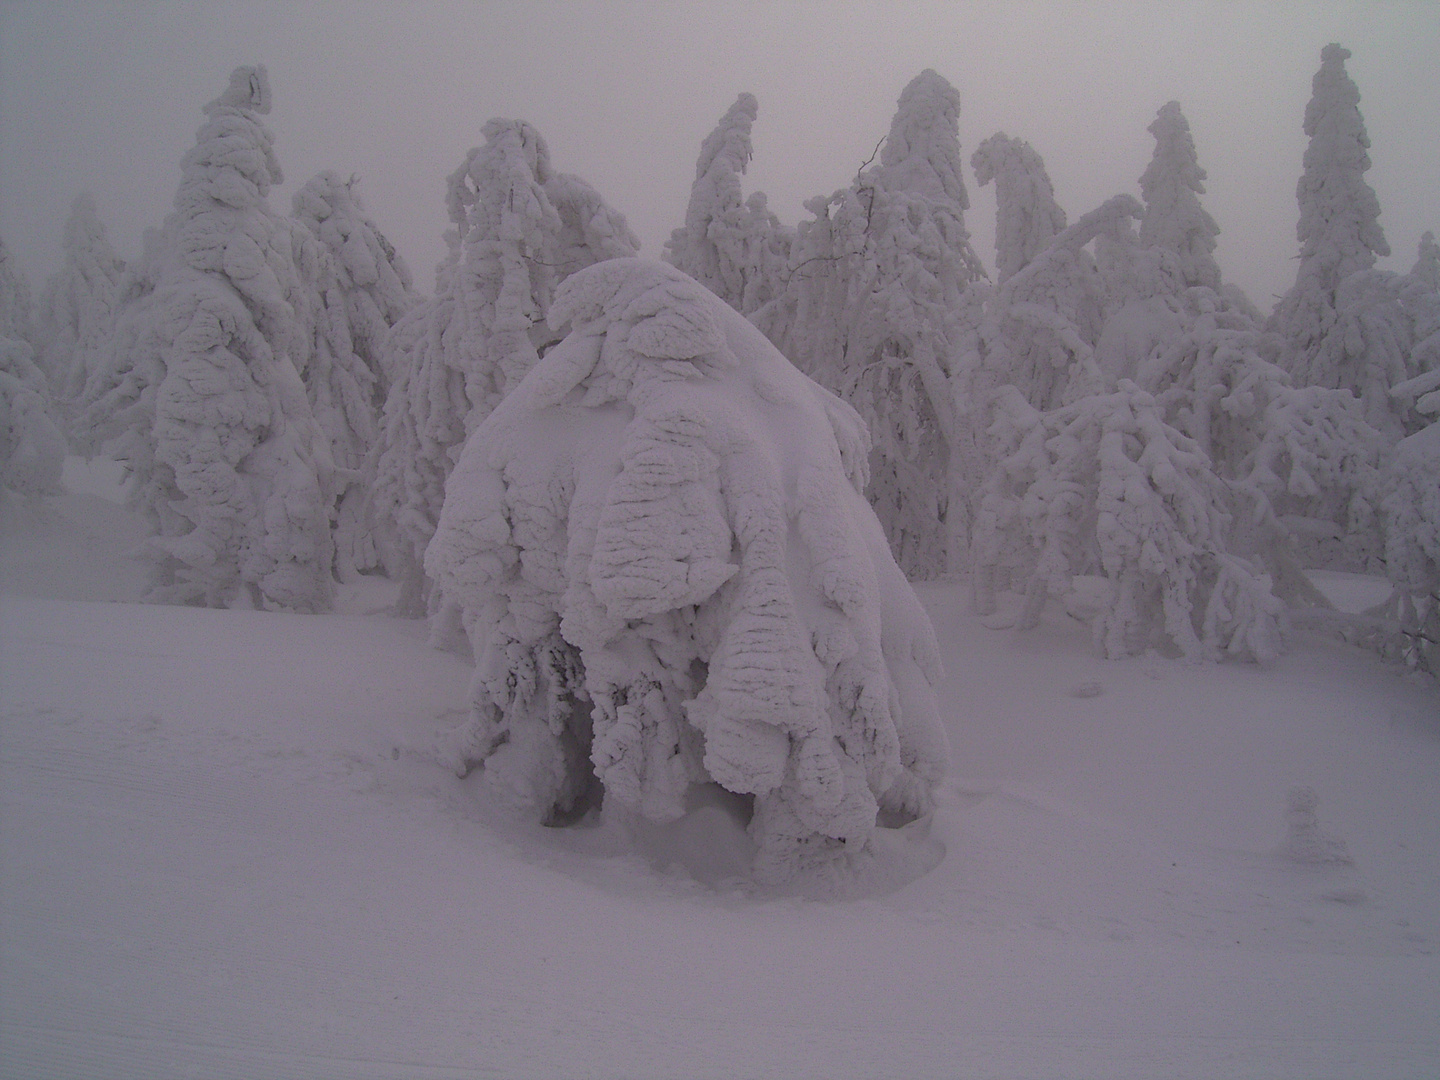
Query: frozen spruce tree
{"points": [[674, 584], [1408, 624], [733, 246], [1104, 489], [1339, 229], [520, 229], [1172, 184], [16, 316], [79, 304], [360, 287], [206, 404], [885, 316], [1027, 217], [32, 448], [1383, 345], [1042, 324], [1157, 283]]}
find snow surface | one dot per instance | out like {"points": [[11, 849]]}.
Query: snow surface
{"points": [[230, 849]]}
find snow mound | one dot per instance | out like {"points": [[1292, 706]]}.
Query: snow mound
{"points": [[670, 577]]}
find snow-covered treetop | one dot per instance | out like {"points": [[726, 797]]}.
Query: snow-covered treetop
{"points": [[78, 306], [715, 196], [724, 156], [233, 160], [1339, 213], [732, 245], [1339, 227], [523, 228], [331, 210], [249, 90], [1174, 219], [922, 152], [1027, 216]]}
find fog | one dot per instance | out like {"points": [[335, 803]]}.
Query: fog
{"points": [[107, 98]]}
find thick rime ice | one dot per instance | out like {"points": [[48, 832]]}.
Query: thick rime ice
{"points": [[884, 316], [1026, 214], [1339, 228], [201, 394], [1174, 220], [32, 447], [735, 247], [521, 229], [670, 577], [359, 287]]}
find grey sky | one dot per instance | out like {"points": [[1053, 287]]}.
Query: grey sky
{"points": [[107, 97]]}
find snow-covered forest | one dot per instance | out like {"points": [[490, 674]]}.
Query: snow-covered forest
{"points": [[689, 518], [559, 465]]}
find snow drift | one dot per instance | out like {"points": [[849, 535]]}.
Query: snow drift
{"points": [[671, 579]]}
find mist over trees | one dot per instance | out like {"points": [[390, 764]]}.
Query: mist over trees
{"points": [[562, 465]]}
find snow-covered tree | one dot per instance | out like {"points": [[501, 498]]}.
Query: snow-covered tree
{"points": [[885, 313], [1174, 220], [32, 448], [1339, 228], [1027, 217], [520, 229], [1301, 463], [1104, 488], [733, 246], [1042, 323], [1410, 619], [1383, 345], [204, 401], [671, 579], [15, 309], [79, 304], [359, 287]]}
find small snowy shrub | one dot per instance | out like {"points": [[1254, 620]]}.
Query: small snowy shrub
{"points": [[670, 578]]}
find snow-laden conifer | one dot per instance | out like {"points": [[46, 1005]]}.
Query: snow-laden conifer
{"points": [[1042, 323], [1339, 228], [1383, 344], [1174, 220], [732, 245], [1103, 488], [520, 229], [1026, 214], [359, 287], [1409, 622], [672, 579], [203, 398], [885, 314], [32, 448], [79, 305]]}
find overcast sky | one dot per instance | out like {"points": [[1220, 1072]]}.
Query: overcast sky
{"points": [[107, 98]]}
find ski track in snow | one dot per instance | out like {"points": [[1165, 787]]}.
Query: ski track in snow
{"points": [[232, 847]]}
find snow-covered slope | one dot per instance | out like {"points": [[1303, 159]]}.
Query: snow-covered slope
{"points": [[229, 847]]}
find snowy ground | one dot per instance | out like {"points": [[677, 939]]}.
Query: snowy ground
{"points": [[231, 847]]}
